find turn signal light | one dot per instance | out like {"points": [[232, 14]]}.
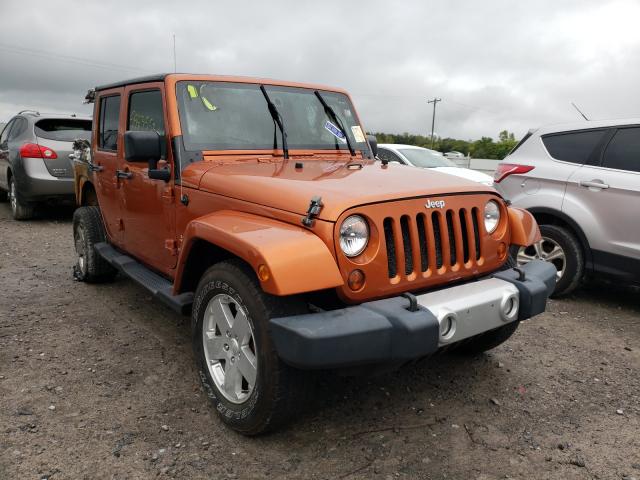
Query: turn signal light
{"points": [[33, 150], [506, 169], [356, 280], [263, 273]]}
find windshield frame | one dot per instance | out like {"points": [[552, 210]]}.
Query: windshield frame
{"points": [[341, 147]]}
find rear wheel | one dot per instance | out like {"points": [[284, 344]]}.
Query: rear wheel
{"points": [[560, 247], [87, 231], [19, 209], [252, 390]]}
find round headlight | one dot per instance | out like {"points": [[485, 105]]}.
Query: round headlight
{"points": [[354, 235], [491, 216]]}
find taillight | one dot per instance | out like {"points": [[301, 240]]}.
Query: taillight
{"points": [[33, 150], [506, 169]]}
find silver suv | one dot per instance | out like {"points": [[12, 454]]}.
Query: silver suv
{"points": [[34, 159], [582, 183]]}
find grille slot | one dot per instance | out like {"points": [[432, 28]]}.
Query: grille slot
{"points": [[425, 239], [406, 243], [422, 239], [476, 230], [437, 239], [465, 238], [392, 263]]}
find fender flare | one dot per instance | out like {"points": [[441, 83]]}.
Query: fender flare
{"points": [[523, 226], [582, 238], [295, 259]]}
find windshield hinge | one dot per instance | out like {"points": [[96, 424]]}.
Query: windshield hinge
{"points": [[314, 210]]}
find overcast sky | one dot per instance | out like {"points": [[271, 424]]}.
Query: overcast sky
{"points": [[496, 64]]}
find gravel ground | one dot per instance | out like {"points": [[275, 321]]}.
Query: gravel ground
{"points": [[99, 382]]}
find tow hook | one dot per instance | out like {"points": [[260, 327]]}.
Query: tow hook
{"points": [[314, 210], [413, 301]]}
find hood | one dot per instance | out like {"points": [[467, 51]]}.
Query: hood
{"points": [[342, 185], [466, 173]]}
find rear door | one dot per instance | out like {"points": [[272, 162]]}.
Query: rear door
{"points": [[107, 146], [57, 136], [607, 196]]}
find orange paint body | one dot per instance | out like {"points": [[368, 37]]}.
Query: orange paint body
{"points": [[251, 203]]}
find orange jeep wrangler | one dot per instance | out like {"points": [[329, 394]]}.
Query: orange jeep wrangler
{"points": [[259, 207]]}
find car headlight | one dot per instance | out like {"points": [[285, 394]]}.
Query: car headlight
{"points": [[354, 235], [491, 216]]}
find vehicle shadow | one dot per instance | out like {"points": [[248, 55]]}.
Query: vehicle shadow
{"points": [[608, 293]]}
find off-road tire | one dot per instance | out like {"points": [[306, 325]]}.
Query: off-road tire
{"points": [[19, 210], [88, 230], [280, 391], [574, 259]]}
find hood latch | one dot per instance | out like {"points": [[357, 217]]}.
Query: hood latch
{"points": [[314, 210]]}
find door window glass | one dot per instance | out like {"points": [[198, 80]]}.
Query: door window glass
{"points": [[4, 137], [18, 128], [146, 114], [623, 152], [575, 147], [108, 127]]}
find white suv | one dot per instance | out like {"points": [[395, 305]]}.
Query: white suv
{"points": [[582, 183]]}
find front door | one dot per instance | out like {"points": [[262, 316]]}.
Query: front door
{"points": [[148, 205], [608, 195]]}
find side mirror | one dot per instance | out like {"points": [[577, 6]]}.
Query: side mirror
{"points": [[141, 146], [373, 144]]}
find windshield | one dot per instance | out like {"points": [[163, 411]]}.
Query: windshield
{"points": [[425, 159], [235, 116]]}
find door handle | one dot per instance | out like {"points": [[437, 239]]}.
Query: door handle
{"points": [[593, 184], [123, 174]]}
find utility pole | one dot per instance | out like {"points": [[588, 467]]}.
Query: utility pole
{"points": [[433, 119]]}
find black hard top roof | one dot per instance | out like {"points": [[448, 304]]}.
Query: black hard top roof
{"points": [[158, 77]]}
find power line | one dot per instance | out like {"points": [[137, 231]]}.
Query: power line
{"points": [[433, 119], [68, 58]]}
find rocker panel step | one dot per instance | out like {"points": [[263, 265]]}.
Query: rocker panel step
{"points": [[160, 287]]}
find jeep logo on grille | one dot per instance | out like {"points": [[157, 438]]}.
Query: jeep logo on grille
{"points": [[434, 204]]}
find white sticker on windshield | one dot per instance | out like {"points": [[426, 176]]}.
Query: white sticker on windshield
{"points": [[357, 133], [335, 131]]}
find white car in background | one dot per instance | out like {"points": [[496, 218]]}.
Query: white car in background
{"points": [[425, 158]]}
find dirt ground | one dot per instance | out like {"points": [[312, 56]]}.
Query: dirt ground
{"points": [[99, 382]]}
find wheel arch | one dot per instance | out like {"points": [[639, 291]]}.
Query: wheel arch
{"points": [[260, 242], [550, 216], [87, 195]]}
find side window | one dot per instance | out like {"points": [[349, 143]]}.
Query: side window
{"points": [[18, 128], [388, 156], [623, 151], [4, 137], [575, 147], [108, 126], [146, 113]]}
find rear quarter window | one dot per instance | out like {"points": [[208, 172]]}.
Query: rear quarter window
{"points": [[64, 130], [574, 147]]}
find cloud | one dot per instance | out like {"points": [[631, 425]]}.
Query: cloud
{"points": [[496, 65]]}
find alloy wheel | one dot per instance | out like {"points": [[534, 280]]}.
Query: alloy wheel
{"points": [[546, 249], [229, 348]]}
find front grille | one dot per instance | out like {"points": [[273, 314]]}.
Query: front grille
{"points": [[416, 243]]}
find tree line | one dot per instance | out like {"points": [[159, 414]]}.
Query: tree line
{"points": [[486, 147]]}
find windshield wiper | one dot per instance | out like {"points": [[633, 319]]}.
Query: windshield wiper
{"points": [[277, 119], [332, 114]]}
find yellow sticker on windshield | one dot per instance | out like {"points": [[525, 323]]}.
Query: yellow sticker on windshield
{"points": [[357, 133], [193, 91], [208, 104]]}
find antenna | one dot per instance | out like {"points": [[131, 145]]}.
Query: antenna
{"points": [[579, 111], [174, 53]]}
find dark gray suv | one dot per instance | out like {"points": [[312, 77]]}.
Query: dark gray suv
{"points": [[35, 166]]}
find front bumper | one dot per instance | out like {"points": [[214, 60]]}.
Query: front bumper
{"points": [[387, 331]]}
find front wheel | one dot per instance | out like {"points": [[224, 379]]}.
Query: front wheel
{"points": [[252, 390], [87, 231], [560, 247]]}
